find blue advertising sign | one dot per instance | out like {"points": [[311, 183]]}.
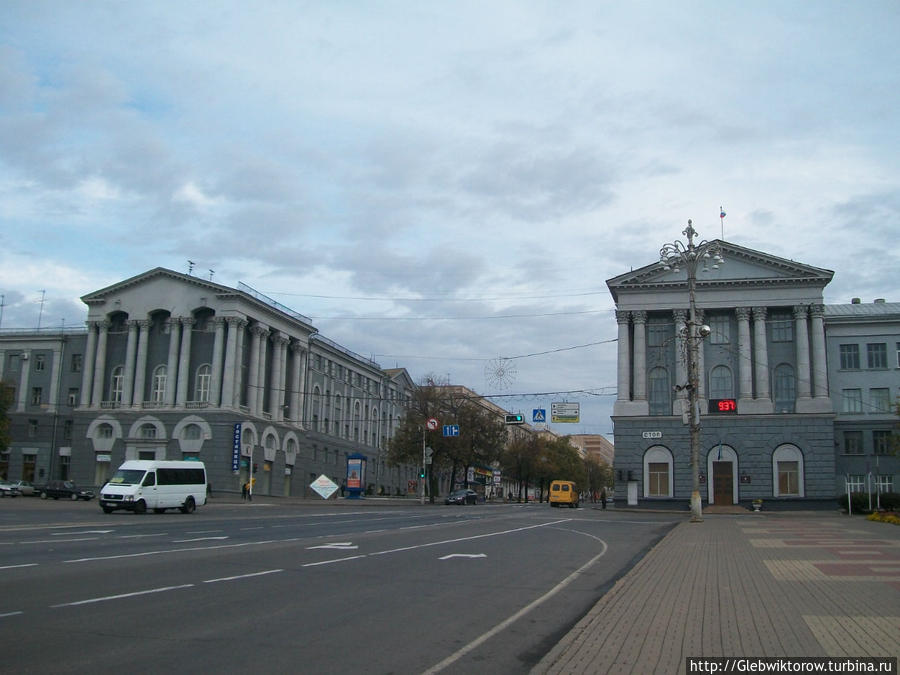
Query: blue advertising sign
{"points": [[236, 447]]}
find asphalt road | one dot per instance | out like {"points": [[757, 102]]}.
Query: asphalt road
{"points": [[281, 588]]}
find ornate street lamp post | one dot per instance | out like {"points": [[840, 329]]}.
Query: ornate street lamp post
{"points": [[674, 256]]}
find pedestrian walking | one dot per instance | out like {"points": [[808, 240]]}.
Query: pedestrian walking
{"points": [[244, 491], [603, 498]]}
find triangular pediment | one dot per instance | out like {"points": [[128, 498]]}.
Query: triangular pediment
{"points": [[743, 268], [156, 274]]}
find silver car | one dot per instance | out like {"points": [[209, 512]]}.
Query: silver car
{"points": [[7, 489]]}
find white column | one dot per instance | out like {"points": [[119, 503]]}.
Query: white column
{"points": [[624, 351], [761, 354], [304, 365], [801, 337], [184, 361], [296, 359], [745, 362], [54, 380], [172, 363], [228, 372], [24, 373], [140, 375], [640, 355], [87, 363], [276, 388], [256, 333], [239, 363], [130, 350], [215, 383], [820, 366], [100, 365], [261, 373]]}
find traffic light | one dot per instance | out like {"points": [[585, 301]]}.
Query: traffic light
{"points": [[515, 419], [421, 472]]}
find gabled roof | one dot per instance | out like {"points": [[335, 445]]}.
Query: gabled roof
{"points": [[246, 293], [744, 267]]}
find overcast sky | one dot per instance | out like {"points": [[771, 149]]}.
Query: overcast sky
{"points": [[440, 184]]}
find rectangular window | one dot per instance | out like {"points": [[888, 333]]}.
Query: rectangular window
{"points": [[32, 428], [856, 483], [884, 483], [720, 326], [880, 400], [658, 476], [849, 357], [789, 478], [877, 355], [852, 399], [64, 467], [77, 360], [782, 327], [898, 354], [881, 441], [853, 443], [39, 362], [657, 334], [67, 430], [37, 394], [73, 397]]}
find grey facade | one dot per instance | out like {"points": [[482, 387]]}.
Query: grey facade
{"points": [[765, 360], [864, 373], [167, 367]]}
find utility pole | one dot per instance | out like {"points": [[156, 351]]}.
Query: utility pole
{"points": [[674, 256]]}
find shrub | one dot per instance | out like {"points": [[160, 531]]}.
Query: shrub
{"points": [[890, 501], [859, 502], [884, 518]]}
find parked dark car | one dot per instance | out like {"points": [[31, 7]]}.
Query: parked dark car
{"points": [[462, 497], [65, 489]]}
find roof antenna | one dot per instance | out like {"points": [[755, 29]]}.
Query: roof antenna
{"points": [[190, 266], [722, 221], [211, 272]]}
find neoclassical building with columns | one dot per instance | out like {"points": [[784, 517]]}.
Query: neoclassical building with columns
{"points": [[765, 410], [173, 366]]}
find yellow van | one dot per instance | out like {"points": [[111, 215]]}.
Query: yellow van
{"points": [[563, 492]]}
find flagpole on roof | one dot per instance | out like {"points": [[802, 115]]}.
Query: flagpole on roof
{"points": [[722, 221]]}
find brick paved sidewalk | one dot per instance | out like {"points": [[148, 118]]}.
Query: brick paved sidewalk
{"points": [[763, 584]]}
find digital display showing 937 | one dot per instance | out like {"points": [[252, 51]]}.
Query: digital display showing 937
{"points": [[719, 406]]}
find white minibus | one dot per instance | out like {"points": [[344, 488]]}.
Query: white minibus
{"points": [[141, 484]]}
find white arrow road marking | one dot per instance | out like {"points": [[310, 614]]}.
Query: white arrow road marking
{"points": [[463, 555], [184, 541], [339, 545]]}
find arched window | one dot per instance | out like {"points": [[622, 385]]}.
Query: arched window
{"points": [[105, 431], [117, 384], [658, 475], [787, 471], [201, 390], [158, 393], [659, 391], [191, 432], [148, 431], [356, 421], [721, 383], [785, 388]]}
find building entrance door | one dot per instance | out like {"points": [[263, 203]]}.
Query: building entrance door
{"points": [[723, 485]]}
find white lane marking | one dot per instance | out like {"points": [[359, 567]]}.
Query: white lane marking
{"points": [[336, 560], [12, 567], [9, 614], [187, 541], [123, 595], [463, 555], [455, 656], [181, 550], [339, 545], [241, 576], [203, 531], [58, 534], [139, 536], [57, 541], [253, 528]]}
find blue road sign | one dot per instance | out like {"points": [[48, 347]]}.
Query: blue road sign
{"points": [[538, 415], [451, 430]]}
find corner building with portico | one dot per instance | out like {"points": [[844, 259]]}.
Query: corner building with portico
{"points": [[766, 416]]}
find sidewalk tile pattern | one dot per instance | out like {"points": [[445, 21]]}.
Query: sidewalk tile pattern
{"points": [[755, 585]]}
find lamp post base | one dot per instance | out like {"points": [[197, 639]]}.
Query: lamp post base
{"points": [[696, 507]]}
